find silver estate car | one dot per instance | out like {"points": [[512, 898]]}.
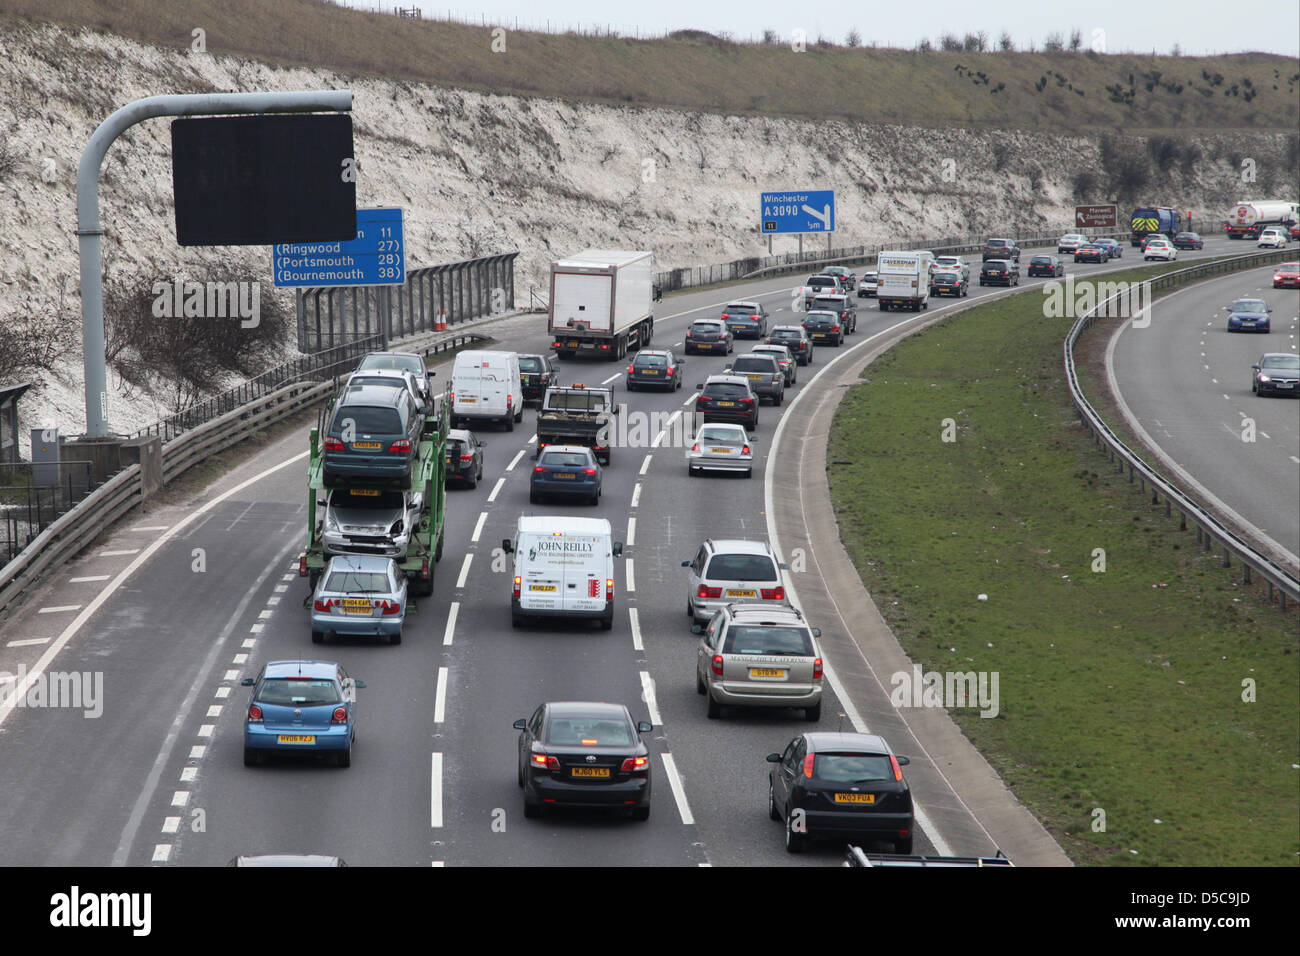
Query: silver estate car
{"points": [[720, 447], [727, 571], [754, 655], [359, 594]]}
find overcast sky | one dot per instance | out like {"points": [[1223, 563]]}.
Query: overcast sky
{"points": [[1198, 26]]}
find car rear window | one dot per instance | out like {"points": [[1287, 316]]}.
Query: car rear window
{"points": [[714, 433], [408, 363], [726, 391], [995, 265], [1041, 260], [530, 363], [786, 334], [852, 768], [945, 277], [367, 420], [735, 309], [454, 446], [358, 582], [995, 243], [741, 567], [754, 363], [834, 304], [650, 361], [565, 459], [707, 327], [296, 691], [577, 401], [767, 639], [588, 732]]}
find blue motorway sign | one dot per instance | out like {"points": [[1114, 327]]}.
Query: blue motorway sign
{"points": [[794, 211], [377, 256]]}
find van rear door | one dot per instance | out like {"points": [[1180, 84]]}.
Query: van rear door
{"points": [[541, 572], [585, 567]]}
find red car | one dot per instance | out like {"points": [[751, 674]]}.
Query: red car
{"points": [[1295, 231], [1287, 275]]}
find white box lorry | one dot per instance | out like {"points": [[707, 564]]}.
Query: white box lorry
{"points": [[601, 303], [903, 280], [564, 568]]}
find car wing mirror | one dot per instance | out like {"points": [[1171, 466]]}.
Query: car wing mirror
{"points": [[618, 548], [359, 684], [644, 727], [817, 632], [773, 758], [697, 628], [247, 682], [520, 724], [686, 564], [507, 545], [1255, 367], [902, 761]]}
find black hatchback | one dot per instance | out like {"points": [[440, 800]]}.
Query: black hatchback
{"points": [[795, 338], [727, 398], [999, 272], [537, 373], [464, 457], [840, 785], [655, 368], [1049, 266], [709, 335]]}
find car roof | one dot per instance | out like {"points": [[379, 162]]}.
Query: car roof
{"points": [[463, 434], [371, 395], [1269, 355], [833, 295], [823, 740], [567, 448], [546, 524], [641, 352], [731, 426], [709, 321], [770, 613], [745, 302], [739, 546], [812, 312], [359, 562], [727, 380], [770, 347], [586, 708], [301, 669]]}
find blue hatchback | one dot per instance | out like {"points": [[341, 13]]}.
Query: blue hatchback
{"points": [[301, 707], [1248, 315], [569, 470]]}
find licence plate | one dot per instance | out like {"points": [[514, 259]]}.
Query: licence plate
{"points": [[855, 798], [756, 378], [468, 401], [365, 492], [767, 672], [726, 404], [572, 345], [649, 371], [541, 587], [589, 771], [295, 739], [742, 592], [565, 474], [720, 451], [369, 445], [355, 606]]}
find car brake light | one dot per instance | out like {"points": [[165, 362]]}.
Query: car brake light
{"points": [[633, 764], [898, 771], [717, 664], [402, 446], [517, 583], [747, 401], [772, 594], [629, 370], [390, 607], [333, 444], [704, 591], [743, 451], [609, 589], [324, 605], [670, 370], [302, 566], [539, 469], [589, 471], [340, 715], [466, 457], [725, 316], [835, 328], [808, 765], [254, 712], [817, 669]]}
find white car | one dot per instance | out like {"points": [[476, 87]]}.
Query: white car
{"points": [[1071, 242], [1272, 239], [867, 285], [952, 264], [1160, 249], [721, 447]]}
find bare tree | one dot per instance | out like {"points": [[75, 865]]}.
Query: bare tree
{"points": [[769, 37], [854, 38], [950, 42], [924, 45], [1076, 40], [1005, 43], [1054, 43]]}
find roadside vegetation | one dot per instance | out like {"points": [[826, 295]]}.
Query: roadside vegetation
{"points": [[969, 81], [1121, 690]]}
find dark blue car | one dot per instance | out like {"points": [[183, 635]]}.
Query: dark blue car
{"points": [[1248, 315], [301, 707], [566, 470]]}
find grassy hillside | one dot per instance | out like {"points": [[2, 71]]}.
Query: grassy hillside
{"points": [[694, 70]]}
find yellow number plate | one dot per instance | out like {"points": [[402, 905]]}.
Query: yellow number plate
{"points": [[355, 606], [295, 739], [649, 371], [767, 672], [365, 492], [565, 474], [726, 404], [573, 345], [720, 451], [590, 771], [855, 798], [369, 445], [468, 401], [756, 378], [541, 587], [737, 592]]}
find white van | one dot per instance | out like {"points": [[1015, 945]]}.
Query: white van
{"points": [[564, 568], [904, 280], [485, 386]]}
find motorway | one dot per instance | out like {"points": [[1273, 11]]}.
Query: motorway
{"points": [[1186, 381], [178, 603]]}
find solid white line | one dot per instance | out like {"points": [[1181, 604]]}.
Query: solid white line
{"points": [[679, 792], [611, 378], [28, 642], [636, 629], [478, 527], [514, 461], [630, 586], [440, 697], [636, 494], [161, 852], [464, 571], [644, 465], [496, 490], [91, 577], [58, 610], [435, 794], [113, 554], [451, 623], [149, 527], [631, 533], [648, 695]]}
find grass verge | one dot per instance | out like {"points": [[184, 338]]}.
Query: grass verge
{"points": [[1121, 691]]}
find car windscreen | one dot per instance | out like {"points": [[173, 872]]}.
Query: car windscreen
{"points": [[531, 363], [368, 498], [564, 459], [651, 361], [741, 567], [358, 582], [1249, 305], [767, 639], [727, 391], [299, 691], [408, 363], [754, 363], [852, 768], [588, 732], [1280, 361], [367, 420]]}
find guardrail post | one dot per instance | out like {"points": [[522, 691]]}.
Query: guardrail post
{"points": [[1226, 556], [1246, 577]]}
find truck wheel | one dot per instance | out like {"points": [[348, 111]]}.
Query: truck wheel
{"points": [[510, 423], [607, 623]]}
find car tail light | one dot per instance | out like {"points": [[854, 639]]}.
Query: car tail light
{"points": [[452, 393], [747, 401], [389, 607], [670, 370], [543, 762], [725, 316], [424, 570], [333, 444], [772, 594], [589, 471], [254, 712], [629, 370], [704, 591], [604, 346], [401, 446], [817, 669], [717, 664], [633, 764], [539, 470], [743, 451], [510, 400], [701, 399], [695, 447], [688, 333], [835, 328], [898, 771], [517, 583], [340, 715], [324, 605], [466, 457], [808, 765], [302, 566], [609, 589]]}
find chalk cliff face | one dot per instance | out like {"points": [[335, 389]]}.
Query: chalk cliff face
{"points": [[477, 173]]}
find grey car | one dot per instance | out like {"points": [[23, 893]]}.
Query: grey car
{"points": [[753, 655], [766, 377], [359, 595], [846, 307], [369, 521], [400, 361], [784, 357], [1276, 373], [731, 570], [721, 447]]}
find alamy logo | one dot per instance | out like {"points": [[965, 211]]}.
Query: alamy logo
{"points": [[77, 690], [209, 300], [953, 689], [75, 909], [1124, 300]]}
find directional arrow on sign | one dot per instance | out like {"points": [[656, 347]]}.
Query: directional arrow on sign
{"points": [[1078, 218], [824, 215]]}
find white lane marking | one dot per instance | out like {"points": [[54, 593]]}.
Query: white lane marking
{"points": [[679, 792], [113, 554], [256, 629], [667, 425], [533, 440], [180, 798], [644, 465], [171, 824], [149, 527], [451, 623], [611, 378], [636, 629], [1293, 458], [263, 615], [636, 494], [281, 588], [239, 659], [464, 571], [59, 610], [89, 577], [689, 400], [161, 852], [514, 461], [188, 774], [197, 752], [28, 642], [441, 863], [272, 601], [249, 642], [214, 711], [648, 695], [206, 730], [631, 533], [223, 693], [440, 697], [478, 526], [435, 791], [497, 489], [290, 577], [630, 586]]}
